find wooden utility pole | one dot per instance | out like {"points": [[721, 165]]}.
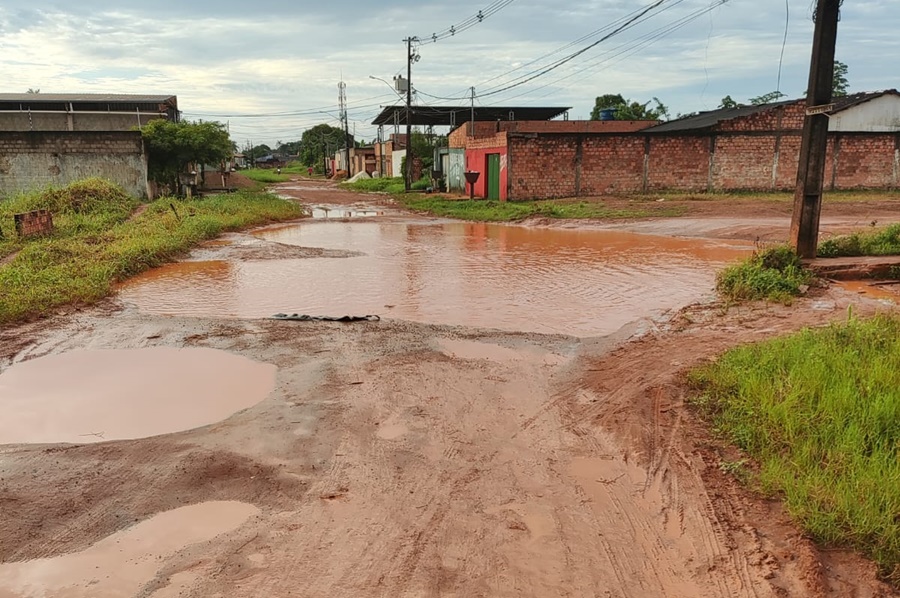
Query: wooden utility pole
{"points": [[409, 156], [814, 146]]}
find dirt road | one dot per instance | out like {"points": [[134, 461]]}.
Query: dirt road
{"points": [[409, 459]]}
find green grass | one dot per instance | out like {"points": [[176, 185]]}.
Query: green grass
{"points": [[389, 185], [96, 246], [266, 175], [885, 241], [775, 274], [496, 211], [819, 412]]}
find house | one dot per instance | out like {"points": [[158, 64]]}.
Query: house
{"points": [[742, 148], [55, 139], [450, 162], [501, 150]]}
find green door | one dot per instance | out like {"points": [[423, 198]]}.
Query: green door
{"points": [[493, 176]]}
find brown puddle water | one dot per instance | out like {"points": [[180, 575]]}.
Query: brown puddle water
{"points": [[578, 282], [93, 396], [123, 563]]}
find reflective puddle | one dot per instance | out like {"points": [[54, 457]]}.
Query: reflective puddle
{"points": [[93, 396], [123, 563], [325, 212], [578, 282]]}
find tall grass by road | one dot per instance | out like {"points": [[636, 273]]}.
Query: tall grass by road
{"points": [[820, 413], [97, 243], [885, 241]]}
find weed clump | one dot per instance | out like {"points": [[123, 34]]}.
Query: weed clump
{"points": [[775, 274], [819, 411], [880, 242]]}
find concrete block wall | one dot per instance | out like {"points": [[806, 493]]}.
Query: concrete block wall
{"points": [[36, 160]]}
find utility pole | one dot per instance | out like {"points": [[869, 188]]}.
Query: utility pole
{"points": [[409, 154], [342, 99], [472, 126], [814, 146]]}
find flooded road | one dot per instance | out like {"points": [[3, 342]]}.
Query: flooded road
{"points": [[121, 564], [92, 396], [513, 278]]}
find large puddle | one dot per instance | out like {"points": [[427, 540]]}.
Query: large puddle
{"points": [[92, 396], [123, 563], [578, 282]]}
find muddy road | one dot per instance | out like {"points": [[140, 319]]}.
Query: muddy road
{"points": [[427, 454]]}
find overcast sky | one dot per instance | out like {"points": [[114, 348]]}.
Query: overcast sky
{"points": [[241, 62]]}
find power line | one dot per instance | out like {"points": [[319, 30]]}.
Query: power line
{"points": [[629, 48], [626, 25], [475, 19]]}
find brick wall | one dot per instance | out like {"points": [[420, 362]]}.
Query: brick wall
{"points": [[30, 224], [549, 166], [680, 162], [613, 164], [35, 160]]}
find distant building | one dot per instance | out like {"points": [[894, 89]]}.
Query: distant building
{"points": [[83, 112], [54, 139]]}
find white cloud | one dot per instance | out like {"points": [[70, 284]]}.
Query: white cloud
{"points": [[233, 58]]}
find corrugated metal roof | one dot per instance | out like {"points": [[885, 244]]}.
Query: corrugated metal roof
{"points": [[456, 115], [34, 98]]}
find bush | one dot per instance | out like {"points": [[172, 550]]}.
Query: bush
{"points": [[883, 242], [775, 274]]}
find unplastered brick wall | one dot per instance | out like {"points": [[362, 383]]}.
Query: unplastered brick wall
{"points": [[30, 224], [787, 117], [36, 160], [549, 166]]}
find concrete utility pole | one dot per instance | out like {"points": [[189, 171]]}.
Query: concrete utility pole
{"points": [[472, 126], [409, 154], [342, 99], [811, 173]]}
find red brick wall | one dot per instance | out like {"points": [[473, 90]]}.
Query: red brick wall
{"points": [[612, 164], [30, 224], [865, 161], [548, 166], [781, 118], [678, 163], [744, 159], [542, 167]]}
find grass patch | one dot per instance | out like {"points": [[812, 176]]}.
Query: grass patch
{"points": [[885, 241], [496, 211], [819, 412], [266, 175], [775, 274], [391, 185], [97, 244]]}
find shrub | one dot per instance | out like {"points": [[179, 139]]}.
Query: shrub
{"points": [[775, 274]]}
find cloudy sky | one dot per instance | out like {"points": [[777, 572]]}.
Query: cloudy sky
{"points": [[271, 69]]}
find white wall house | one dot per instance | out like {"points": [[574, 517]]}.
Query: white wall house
{"points": [[877, 112]]}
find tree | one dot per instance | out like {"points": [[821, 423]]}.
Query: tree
{"points": [[728, 102], [172, 146], [33, 91], [766, 98], [258, 151], [629, 109], [841, 83], [318, 137]]}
